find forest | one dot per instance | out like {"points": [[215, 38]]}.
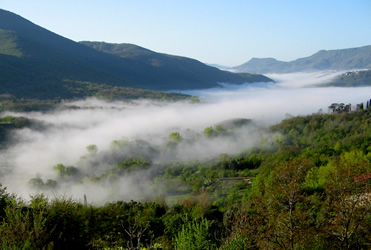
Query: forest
{"points": [[74, 90], [306, 185]]}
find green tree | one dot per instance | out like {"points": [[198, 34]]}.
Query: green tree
{"points": [[219, 130], [243, 227], [209, 132], [92, 149], [175, 137], [287, 207], [63, 171], [194, 235], [26, 227], [69, 222], [346, 211]]}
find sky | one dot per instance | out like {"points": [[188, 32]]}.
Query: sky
{"points": [[213, 31]]}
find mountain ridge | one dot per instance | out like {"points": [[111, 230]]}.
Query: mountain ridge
{"points": [[341, 59], [166, 63]]}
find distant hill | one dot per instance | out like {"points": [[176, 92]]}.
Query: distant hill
{"points": [[343, 59], [37, 63], [352, 79]]}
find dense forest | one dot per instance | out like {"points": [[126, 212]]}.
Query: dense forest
{"points": [[9, 102], [304, 186]]}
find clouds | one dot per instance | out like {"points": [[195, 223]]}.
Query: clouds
{"points": [[68, 131]]}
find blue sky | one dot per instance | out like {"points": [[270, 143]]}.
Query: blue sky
{"points": [[223, 32]]}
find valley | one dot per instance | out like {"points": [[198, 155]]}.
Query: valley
{"points": [[109, 145]]}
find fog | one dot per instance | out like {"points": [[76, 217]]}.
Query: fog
{"points": [[66, 132]]}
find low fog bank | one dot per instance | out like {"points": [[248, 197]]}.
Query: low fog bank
{"points": [[118, 131], [303, 79]]}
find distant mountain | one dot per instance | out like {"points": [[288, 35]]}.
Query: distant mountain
{"points": [[352, 79], [343, 59], [35, 62]]}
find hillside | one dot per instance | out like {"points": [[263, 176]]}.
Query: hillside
{"points": [[352, 79], [171, 67], [35, 62], [343, 59]]}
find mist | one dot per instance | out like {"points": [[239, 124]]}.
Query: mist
{"points": [[145, 126]]}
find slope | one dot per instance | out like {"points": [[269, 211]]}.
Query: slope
{"points": [[170, 67], [352, 79]]}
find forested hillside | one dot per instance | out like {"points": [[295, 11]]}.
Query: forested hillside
{"points": [[352, 79], [74, 90], [174, 67], [304, 186]]}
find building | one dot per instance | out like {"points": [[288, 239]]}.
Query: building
{"points": [[339, 108]]}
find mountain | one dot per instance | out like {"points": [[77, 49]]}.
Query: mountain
{"points": [[343, 59], [35, 62], [169, 68]]}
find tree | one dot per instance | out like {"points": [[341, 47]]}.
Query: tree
{"points": [[175, 137], [140, 222], [26, 227], [243, 226], [63, 171], [92, 149], [69, 222], [209, 132], [194, 235], [4, 199], [287, 207], [346, 211]]}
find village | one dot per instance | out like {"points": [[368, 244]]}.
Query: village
{"points": [[342, 108]]}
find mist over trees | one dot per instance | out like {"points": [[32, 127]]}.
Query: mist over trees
{"points": [[304, 190], [215, 173]]}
